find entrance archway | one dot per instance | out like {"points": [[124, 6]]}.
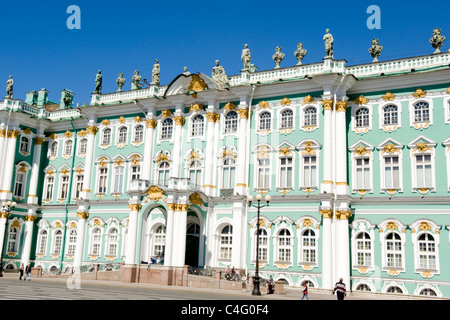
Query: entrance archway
{"points": [[192, 244]]}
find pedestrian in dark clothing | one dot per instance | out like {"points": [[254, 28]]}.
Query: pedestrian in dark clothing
{"points": [[305, 291], [27, 272], [340, 290], [21, 271]]}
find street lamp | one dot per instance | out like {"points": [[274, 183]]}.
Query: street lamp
{"points": [[7, 206], [256, 291]]}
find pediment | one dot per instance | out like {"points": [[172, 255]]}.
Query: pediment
{"points": [[189, 84]]}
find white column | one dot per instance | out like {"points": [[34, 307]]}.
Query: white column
{"points": [[179, 239], [239, 246], [132, 233], [327, 183], [209, 184], [91, 131], [81, 235], [342, 246], [341, 148], [148, 149], [32, 196], [241, 186], [327, 269], [28, 236], [168, 251], [8, 167], [177, 146], [2, 151]]}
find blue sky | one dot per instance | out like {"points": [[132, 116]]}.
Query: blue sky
{"points": [[40, 51]]}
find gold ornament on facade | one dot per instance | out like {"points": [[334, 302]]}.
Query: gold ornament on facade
{"points": [[82, 133], [308, 148], [122, 119], [448, 90], [360, 151], [341, 106], [262, 152], [4, 214], [307, 223], [92, 130], [13, 134], [151, 123], [228, 153], [102, 162], [388, 96], [193, 155], [137, 119], [162, 157], [390, 148], [118, 162], [285, 102], [135, 160], [49, 172], [79, 170], [65, 171], [426, 274], [263, 105], [196, 199], [361, 100], [27, 131], [166, 113], [106, 122], [391, 226], [2, 133], [154, 193], [343, 214], [230, 106], [419, 93], [421, 147], [134, 207], [308, 99], [68, 134], [243, 113], [197, 84], [327, 104], [22, 168], [196, 107], [285, 151], [53, 136], [179, 120], [424, 226]]}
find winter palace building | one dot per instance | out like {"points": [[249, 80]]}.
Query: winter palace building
{"points": [[356, 160]]}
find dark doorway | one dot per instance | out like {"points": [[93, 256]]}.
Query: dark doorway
{"points": [[192, 244]]}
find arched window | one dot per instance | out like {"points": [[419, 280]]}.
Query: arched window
{"points": [[394, 289], [228, 173], [96, 241], [113, 242], [83, 146], [159, 243], [72, 243], [287, 119], [231, 122], [421, 111], [198, 124], [362, 117], [106, 136], [24, 144], [68, 146], [163, 173], [195, 173], [428, 292], [54, 149], [265, 121], [226, 240], [308, 246], [43, 239], [57, 242], [12, 239], [363, 249], [284, 246], [310, 117], [123, 132], [394, 257], [139, 133], [363, 287], [390, 114], [167, 128], [427, 251]]}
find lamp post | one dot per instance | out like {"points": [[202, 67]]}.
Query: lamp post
{"points": [[258, 206], [7, 206]]}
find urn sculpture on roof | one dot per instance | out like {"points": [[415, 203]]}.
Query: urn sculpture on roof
{"points": [[375, 49], [277, 57], [120, 82], [437, 40], [300, 53]]}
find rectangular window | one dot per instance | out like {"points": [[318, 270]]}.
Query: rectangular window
{"points": [[64, 187], [118, 179], [423, 171], [79, 185], [135, 172], [391, 172], [362, 174], [102, 180], [19, 188], [309, 171], [49, 191], [285, 172], [263, 177]]}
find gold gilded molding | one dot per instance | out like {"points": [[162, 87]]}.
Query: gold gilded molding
{"points": [[82, 133], [179, 120], [134, 207], [343, 214], [361, 150], [326, 213], [137, 119], [243, 113], [53, 136], [154, 193], [197, 84], [285, 151], [4, 214], [162, 157], [166, 113], [388, 96], [424, 226], [419, 93], [122, 119], [27, 131], [341, 106], [390, 148], [327, 104], [212, 117], [68, 134], [196, 199], [421, 147], [307, 223], [196, 107], [2, 133], [262, 152], [263, 105], [361, 100], [228, 153], [106, 122], [448, 90], [285, 102], [230, 106], [92, 130], [193, 155], [83, 215], [102, 162], [13, 134], [391, 226], [49, 172], [308, 148], [308, 99], [151, 123]]}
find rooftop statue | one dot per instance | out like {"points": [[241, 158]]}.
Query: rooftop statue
{"points": [[375, 49], [246, 57], [98, 83], [136, 81], [219, 77], [67, 99], [9, 88], [278, 56], [329, 42], [437, 40], [186, 72], [120, 82], [155, 73], [300, 53]]}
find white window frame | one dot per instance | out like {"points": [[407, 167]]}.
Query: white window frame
{"points": [[280, 184], [53, 150], [68, 148], [99, 179], [446, 144], [166, 128], [232, 167], [20, 167], [287, 246], [197, 127], [387, 227], [354, 123], [25, 147], [13, 237], [93, 241], [225, 243], [78, 185], [358, 227], [264, 244], [117, 186], [41, 248], [306, 117], [138, 136], [106, 142], [383, 154], [82, 144], [121, 137], [230, 125], [414, 153], [112, 247], [57, 240], [265, 124], [63, 185], [425, 227], [46, 185], [389, 127], [422, 123], [286, 129], [71, 242]]}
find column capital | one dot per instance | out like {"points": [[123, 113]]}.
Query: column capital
{"points": [[12, 134], [38, 140], [2, 133], [92, 130], [151, 123], [327, 104], [343, 214], [179, 120], [243, 113], [326, 213], [83, 215], [30, 217], [135, 207], [341, 106], [4, 214]]}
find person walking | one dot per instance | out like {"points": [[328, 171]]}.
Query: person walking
{"points": [[21, 271], [27, 272], [340, 290], [305, 292]]}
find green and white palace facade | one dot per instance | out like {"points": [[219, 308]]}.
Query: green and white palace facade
{"points": [[356, 160]]}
